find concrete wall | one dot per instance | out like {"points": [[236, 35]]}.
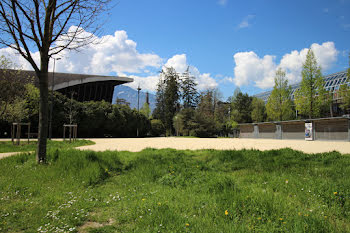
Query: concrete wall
{"points": [[324, 129], [331, 130], [246, 131], [267, 131], [293, 130]]}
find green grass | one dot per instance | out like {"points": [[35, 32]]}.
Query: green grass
{"points": [[7, 146], [176, 191]]}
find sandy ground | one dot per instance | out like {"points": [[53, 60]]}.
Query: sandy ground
{"points": [[138, 144]]}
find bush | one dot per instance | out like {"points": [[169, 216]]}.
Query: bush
{"points": [[157, 128]]}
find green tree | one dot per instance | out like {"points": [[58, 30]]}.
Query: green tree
{"points": [[146, 110], [241, 108], [189, 92], [258, 110], [345, 92], [159, 111], [311, 96], [47, 26], [171, 98], [12, 88], [279, 106]]}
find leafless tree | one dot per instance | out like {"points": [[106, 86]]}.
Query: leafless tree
{"points": [[50, 26]]}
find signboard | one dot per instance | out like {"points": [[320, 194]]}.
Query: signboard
{"points": [[308, 132]]}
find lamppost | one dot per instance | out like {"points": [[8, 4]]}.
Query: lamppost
{"points": [[51, 106], [138, 109]]}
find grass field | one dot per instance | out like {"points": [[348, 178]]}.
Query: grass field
{"points": [[176, 191], [7, 146]]}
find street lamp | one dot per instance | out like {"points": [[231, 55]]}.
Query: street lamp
{"points": [[138, 109], [52, 84]]}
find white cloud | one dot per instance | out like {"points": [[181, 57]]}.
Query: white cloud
{"points": [[116, 53], [251, 69], [222, 2], [246, 22], [179, 63]]}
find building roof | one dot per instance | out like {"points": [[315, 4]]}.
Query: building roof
{"points": [[332, 84], [64, 80]]}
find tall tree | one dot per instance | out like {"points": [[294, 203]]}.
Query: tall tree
{"points": [[345, 92], [159, 111], [171, 98], [188, 88], [241, 108], [258, 110], [311, 95], [279, 106], [51, 26]]}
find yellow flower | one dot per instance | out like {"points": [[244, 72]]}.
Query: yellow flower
{"points": [[284, 222], [325, 216], [306, 215], [187, 224], [226, 212], [143, 199], [281, 219], [259, 218], [335, 193], [299, 213], [159, 203]]}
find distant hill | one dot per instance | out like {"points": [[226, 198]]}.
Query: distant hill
{"points": [[130, 95]]}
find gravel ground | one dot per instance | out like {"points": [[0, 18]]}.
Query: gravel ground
{"points": [[138, 144]]}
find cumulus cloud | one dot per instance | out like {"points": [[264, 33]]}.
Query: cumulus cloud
{"points": [[179, 63], [251, 69], [246, 22], [116, 53]]}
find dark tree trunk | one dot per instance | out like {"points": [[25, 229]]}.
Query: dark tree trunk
{"points": [[43, 111]]}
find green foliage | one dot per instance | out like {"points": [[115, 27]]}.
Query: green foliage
{"points": [[168, 94], [189, 92], [344, 93], [13, 88], [7, 146], [279, 106], [241, 108], [146, 110], [312, 96], [258, 110], [176, 191], [157, 128]]}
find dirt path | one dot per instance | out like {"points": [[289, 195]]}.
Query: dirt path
{"points": [[138, 144]]}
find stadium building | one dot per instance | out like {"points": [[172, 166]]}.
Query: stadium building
{"points": [[84, 87]]}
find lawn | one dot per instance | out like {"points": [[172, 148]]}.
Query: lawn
{"points": [[7, 146], [176, 191]]}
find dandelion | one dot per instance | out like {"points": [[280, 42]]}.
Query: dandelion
{"points": [[335, 193], [281, 219], [259, 218], [187, 224], [143, 199], [159, 203], [286, 181], [284, 222], [325, 217], [299, 213], [226, 212]]}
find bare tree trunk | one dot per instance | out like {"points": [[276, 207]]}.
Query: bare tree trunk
{"points": [[43, 115]]}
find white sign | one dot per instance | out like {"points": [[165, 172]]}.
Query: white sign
{"points": [[308, 132]]}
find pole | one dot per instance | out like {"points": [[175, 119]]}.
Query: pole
{"points": [[51, 106], [138, 109]]}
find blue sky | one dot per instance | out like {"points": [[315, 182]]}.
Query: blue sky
{"points": [[226, 43]]}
